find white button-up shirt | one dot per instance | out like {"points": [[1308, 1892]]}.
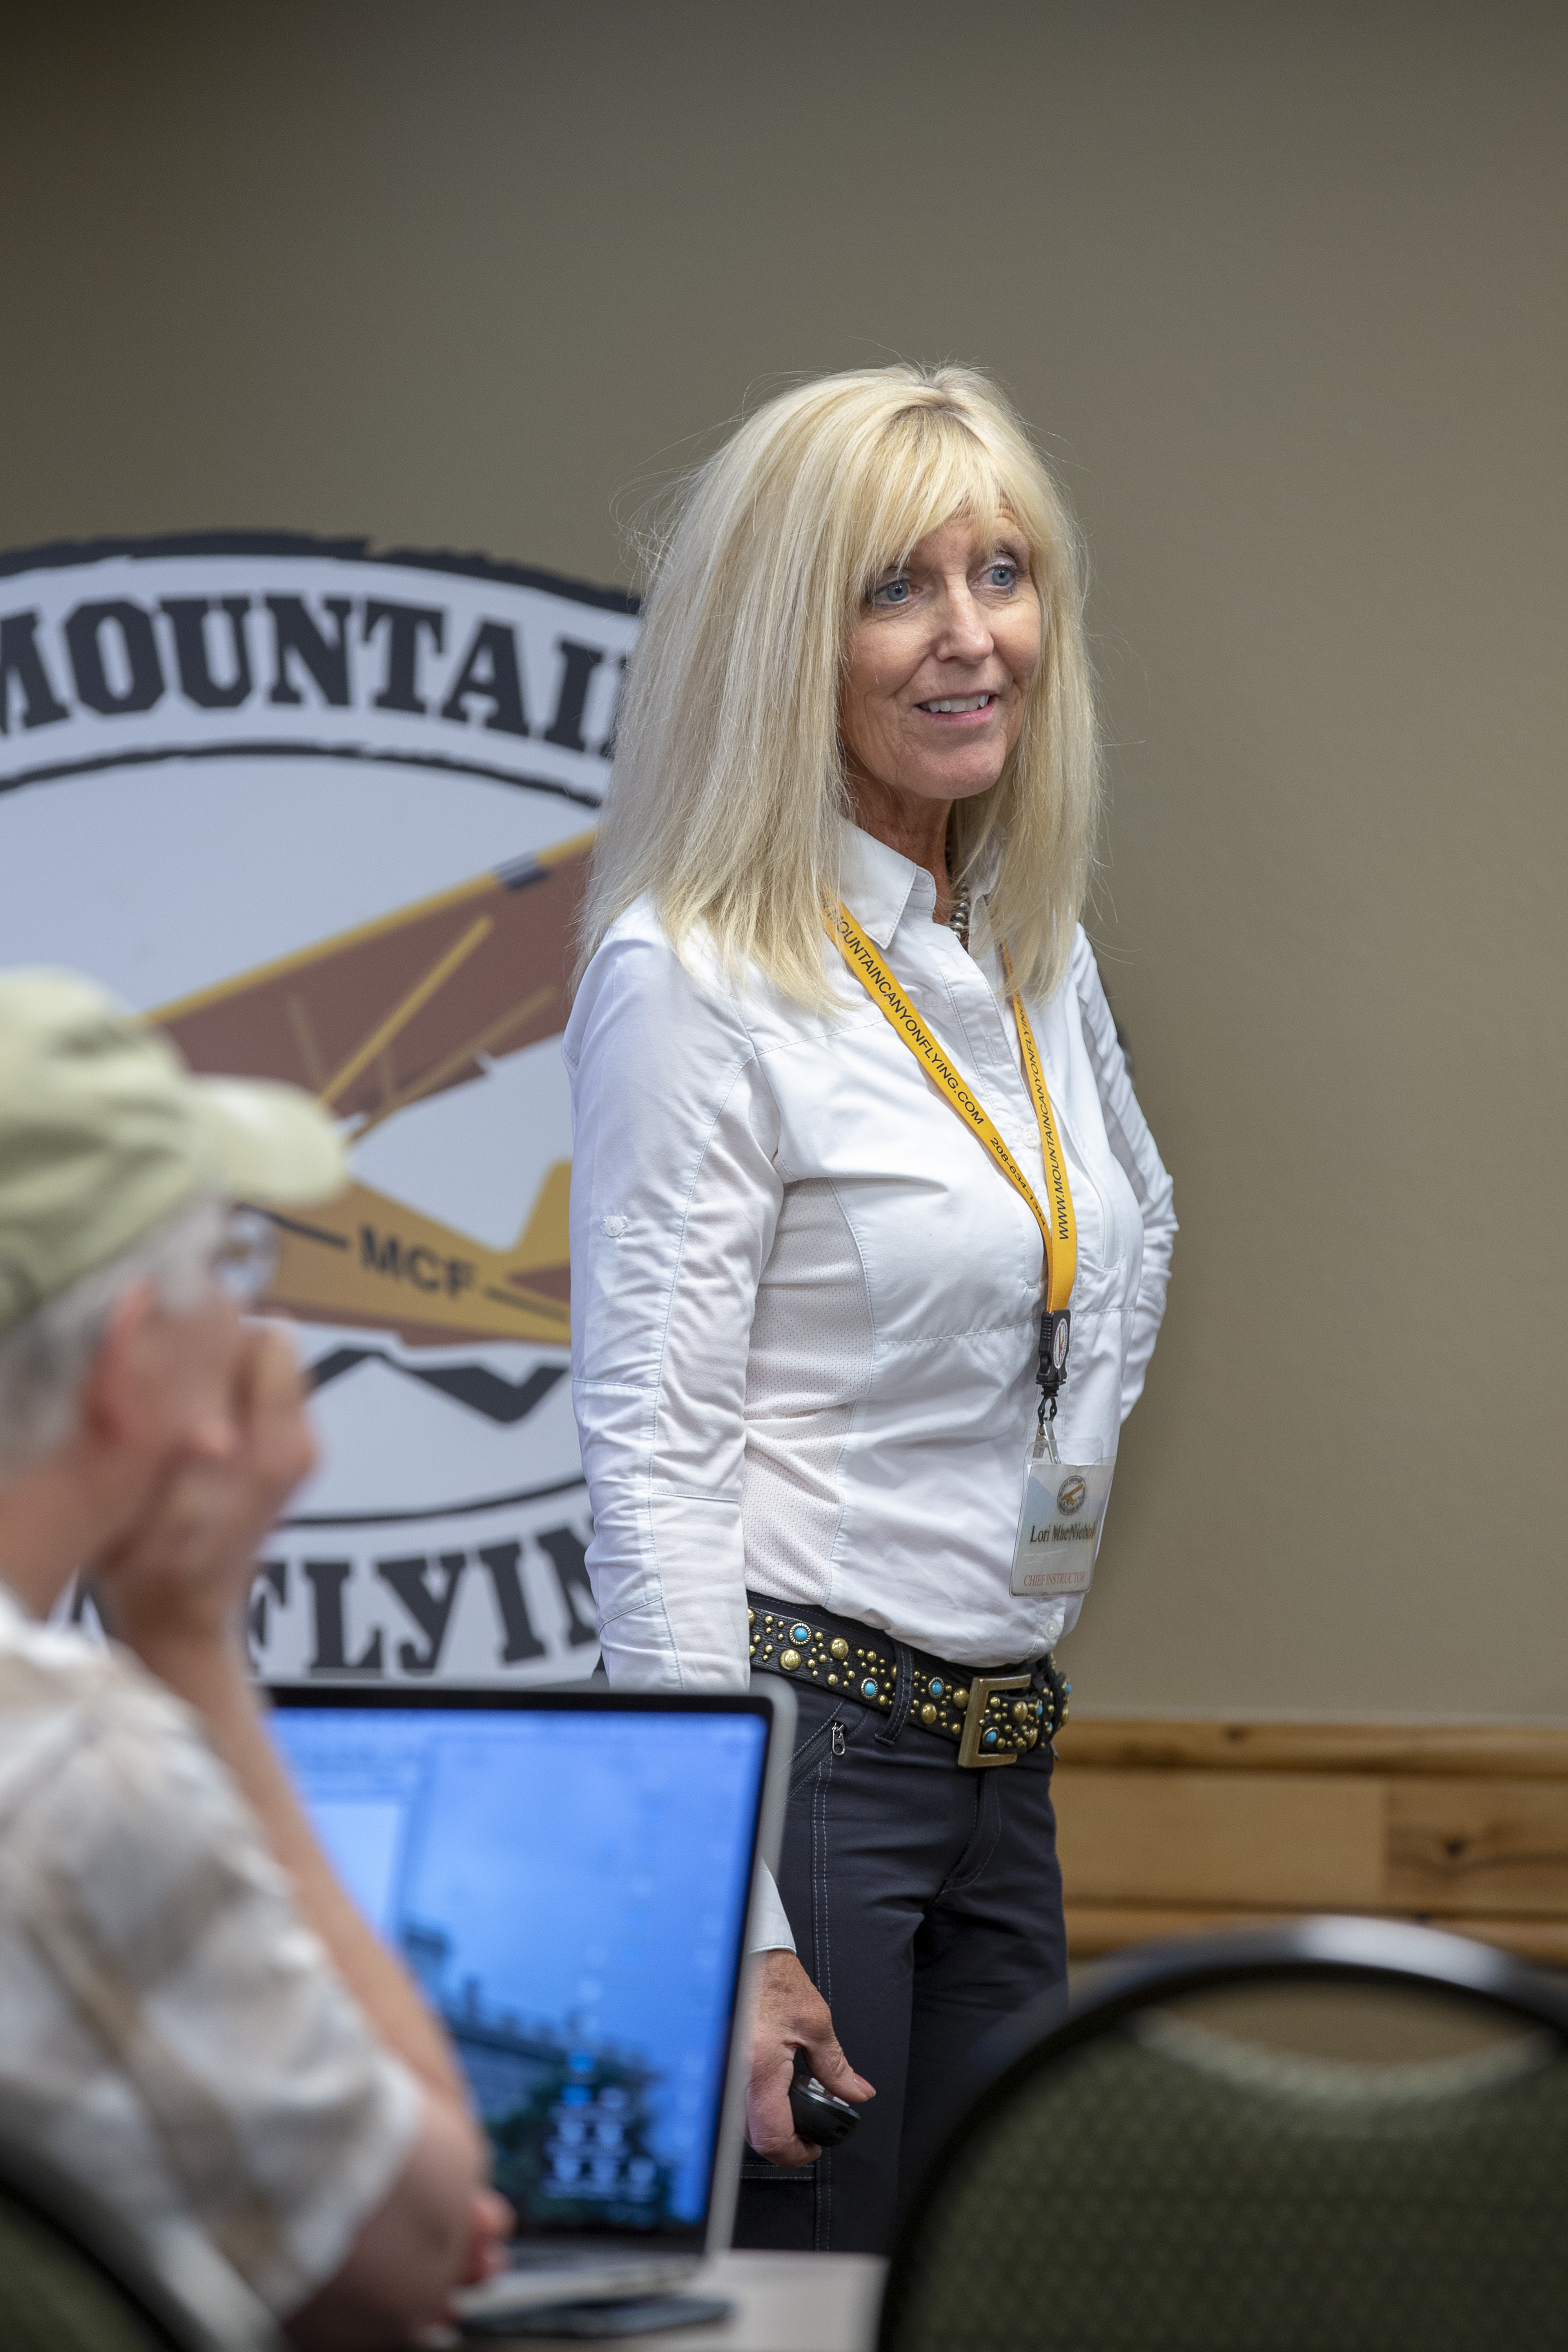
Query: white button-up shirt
{"points": [[805, 1303]]}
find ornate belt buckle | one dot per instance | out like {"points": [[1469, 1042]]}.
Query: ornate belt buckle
{"points": [[980, 1687]]}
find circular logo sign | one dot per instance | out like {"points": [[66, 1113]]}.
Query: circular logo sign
{"points": [[1070, 1496], [340, 810]]}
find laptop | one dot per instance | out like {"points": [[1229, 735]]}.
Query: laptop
{"points": [[568, 1874]]}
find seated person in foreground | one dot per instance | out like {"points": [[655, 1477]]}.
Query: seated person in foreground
{"points": [[194, 2019]]}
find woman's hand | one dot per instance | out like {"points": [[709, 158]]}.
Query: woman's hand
{"points": [[787, 2014]]}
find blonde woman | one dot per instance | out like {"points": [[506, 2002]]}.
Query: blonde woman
{"points": [[856, 1162]]}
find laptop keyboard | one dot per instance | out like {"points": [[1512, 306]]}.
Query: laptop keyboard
{"points": [[532, 2254]]}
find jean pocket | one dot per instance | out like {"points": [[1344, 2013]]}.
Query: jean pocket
{"points": [[827, 1739]]}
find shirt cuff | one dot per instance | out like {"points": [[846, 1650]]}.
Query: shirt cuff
{"points": [[768, 1928]]}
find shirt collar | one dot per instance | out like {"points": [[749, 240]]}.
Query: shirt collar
{"points": [[877, 883]]}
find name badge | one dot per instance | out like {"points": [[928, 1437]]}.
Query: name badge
{"points": [[1060, 1522]]}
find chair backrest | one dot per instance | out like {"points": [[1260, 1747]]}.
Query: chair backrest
{"points": [[1347, 2135], [75, 2277]]}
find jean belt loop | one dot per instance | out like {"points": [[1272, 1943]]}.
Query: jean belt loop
{"points": [[889, 1734]]}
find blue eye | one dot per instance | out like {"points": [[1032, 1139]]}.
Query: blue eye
{"points": [[1002, 575], [893, 592]]}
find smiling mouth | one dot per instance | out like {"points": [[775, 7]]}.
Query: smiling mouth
{"points": [[957, 705]]}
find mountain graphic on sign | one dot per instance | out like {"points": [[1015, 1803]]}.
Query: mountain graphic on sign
{"points": [[380, 1017]]}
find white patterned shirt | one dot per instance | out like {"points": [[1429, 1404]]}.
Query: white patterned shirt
{"points": [[170, 2031]]}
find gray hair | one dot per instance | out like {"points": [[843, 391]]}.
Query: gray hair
{"points": [[44, 1359]]}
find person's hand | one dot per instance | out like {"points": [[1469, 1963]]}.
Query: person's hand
{"points": [[184, 1572], [492, 2223], [787, 2014]]}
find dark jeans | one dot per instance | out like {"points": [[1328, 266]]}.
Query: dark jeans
{"points": [[926, 1904]]}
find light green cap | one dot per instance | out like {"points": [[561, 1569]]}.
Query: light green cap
{"points": [[104, 1131]]}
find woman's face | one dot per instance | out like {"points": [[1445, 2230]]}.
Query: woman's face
{"points": [[939, 664]]}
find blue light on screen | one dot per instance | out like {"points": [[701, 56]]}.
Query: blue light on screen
{"points": [[567, 1884]]}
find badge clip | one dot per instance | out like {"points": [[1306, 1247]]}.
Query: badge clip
{"points": [[1056, 1337]]}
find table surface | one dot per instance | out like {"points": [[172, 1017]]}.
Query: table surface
{"points": [[784, 2302]]}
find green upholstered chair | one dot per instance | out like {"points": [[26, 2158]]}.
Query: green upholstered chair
{"points": [[1349, 2136], [75, 2278]]}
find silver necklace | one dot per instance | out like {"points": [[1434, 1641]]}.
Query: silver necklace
{"points": [[958, 917]]}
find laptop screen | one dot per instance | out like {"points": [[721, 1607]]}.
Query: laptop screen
{"points": [[567, 1878]]}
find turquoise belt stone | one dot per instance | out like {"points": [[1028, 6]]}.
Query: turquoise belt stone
{"points": [[996, 1716]]}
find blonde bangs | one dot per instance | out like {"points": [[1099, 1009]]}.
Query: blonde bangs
{"points": [[728, 783], [929, 468]]}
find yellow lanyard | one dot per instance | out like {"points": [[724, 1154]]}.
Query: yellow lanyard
{"points": [[1059, 1231]]}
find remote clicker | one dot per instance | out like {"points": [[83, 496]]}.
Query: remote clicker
{"points": [[819, 2117]]}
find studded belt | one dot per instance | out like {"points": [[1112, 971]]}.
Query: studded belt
{"points": [[995, 1717]]}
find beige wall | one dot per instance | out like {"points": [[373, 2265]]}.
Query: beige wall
{"points": [[1283, 288]]}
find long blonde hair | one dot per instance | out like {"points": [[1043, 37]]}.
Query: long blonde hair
{"points": [[728, 781]]}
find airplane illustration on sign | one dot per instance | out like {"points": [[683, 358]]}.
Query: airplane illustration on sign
{"points": [[372, 1020]]}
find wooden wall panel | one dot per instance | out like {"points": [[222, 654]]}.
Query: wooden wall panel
{"points": [[1467, 1752], [1477, 1846], [1182, 1827], [1097, 1928], [1307, 1840]]}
